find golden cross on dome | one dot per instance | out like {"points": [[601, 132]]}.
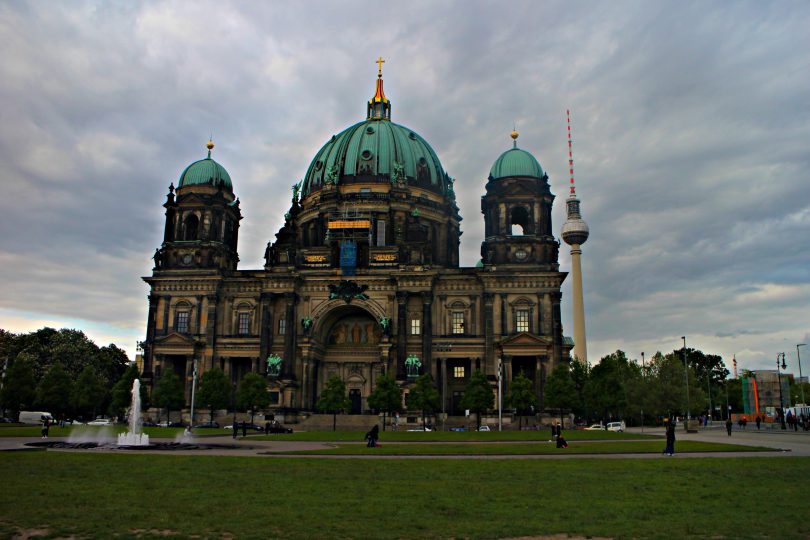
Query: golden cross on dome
{"points": [[379, 63]]}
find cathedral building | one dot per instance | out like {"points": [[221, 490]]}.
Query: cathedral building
{"points": [[363, 279]]}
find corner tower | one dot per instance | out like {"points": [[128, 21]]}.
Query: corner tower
{"points": [[517, 212], [575, 233]]}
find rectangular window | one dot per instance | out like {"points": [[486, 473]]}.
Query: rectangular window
{"points": [[244, 324], [458, 322], [522, 320], [416, 327], [181, 324], [380, 233], [458, 372], [282, 327]]}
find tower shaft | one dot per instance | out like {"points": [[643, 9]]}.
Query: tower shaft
{"points": [[580, 348]]}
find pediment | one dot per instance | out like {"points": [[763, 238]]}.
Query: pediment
{"points": [[174, 338], [525, 343]]}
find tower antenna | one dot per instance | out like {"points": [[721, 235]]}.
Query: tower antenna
{"points": [[570, 152]]}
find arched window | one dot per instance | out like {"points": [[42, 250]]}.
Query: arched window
{"points": [[191, 227], [519, 219]]}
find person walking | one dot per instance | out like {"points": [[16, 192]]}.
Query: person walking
{"points": [[759, 422], [244, 429], [670, 434], [558, 430], [235, 429], [372, 436], [46, 424], [729, 423]]}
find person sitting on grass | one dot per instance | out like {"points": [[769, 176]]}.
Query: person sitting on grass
{"points": [[561, 442]]}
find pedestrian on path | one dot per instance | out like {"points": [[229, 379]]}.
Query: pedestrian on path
{"points": [[759, 421], [729, 423], [235, 429], [46, 425], [670, 431], [244, 429], [372, 436]]}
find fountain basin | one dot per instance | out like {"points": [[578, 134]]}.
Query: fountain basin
{"points": [[133, 439]]}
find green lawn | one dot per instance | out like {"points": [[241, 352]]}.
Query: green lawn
{"points": [[104, 495], [589, 447]]}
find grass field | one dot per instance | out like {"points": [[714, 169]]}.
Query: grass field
{"points": [[151, 496], [519, 448]]}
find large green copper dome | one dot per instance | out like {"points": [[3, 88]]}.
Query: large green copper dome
{"points": [[206, 171], [516, 162], [371, 151]]}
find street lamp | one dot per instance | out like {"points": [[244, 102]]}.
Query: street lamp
{"points": [[686, 376], [643, 379], [779, 381], [801, 382]]}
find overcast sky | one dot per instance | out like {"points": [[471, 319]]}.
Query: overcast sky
{"points": [[691, 126]]}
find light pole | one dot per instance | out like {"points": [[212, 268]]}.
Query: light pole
{"points": [[779, 381], [801, 383], [193, 392], [686, 376], [500, 397], [644, 379], [709, 387]]}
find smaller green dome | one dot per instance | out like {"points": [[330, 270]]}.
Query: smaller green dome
{"points": [[205, 171], [516, 162]]}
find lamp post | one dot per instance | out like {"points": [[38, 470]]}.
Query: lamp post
{"points": [[500, 397], [193, 392], [643, 378], [779, 381], [801, 383], [686, 376]]}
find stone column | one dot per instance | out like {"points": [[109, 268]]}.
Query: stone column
{"points": [[504, 309], [402, 333], [150, 333], [211, 329], [489, 331], [265, 328], [427, 332], [557, 326], [288, 365]]}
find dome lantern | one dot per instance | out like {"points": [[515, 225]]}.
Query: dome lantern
{"points": [[379, 108], [205, 172]]}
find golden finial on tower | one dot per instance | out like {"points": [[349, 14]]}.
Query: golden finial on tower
{"points": [[379, 63], [210, 146], [514, 136]]}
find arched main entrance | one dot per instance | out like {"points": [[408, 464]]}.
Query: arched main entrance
{"points": [[351, 346]]}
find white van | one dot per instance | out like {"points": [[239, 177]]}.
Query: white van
{"points": [[616, 426], [34, 417]]}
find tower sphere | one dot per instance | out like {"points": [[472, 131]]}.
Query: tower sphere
{"points": [[575, 232]]}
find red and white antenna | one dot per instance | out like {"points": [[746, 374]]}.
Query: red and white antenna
{"points": [[570, 152]]}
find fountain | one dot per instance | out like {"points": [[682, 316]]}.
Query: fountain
{"points": [[134, 437]]}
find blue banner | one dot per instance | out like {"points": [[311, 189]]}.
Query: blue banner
{"points": [[348, 257]]}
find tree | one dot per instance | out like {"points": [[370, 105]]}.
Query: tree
{"points": [[386, 397], [215, 391], [424, 396], [579, 375], [521, 396], [53, 391], [252, 393], [605, 393], [19, 388], [88, 393], [169, 393], [333, 398], [560, 391], [478, 396], [121, 394]]}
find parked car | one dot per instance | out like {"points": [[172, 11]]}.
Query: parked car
{"points": [[148, 423], [171, 424], [207, 425], [4, 420], [458, 428], [252, 427], [100, 422], [594, 427], [484, 428], [278, 428], [420, 429], [616, 426]]}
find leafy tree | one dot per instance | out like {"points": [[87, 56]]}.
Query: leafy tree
{"points": [[386, 397], [424, 396], [88, 393], [53, 391], [605, 392], [668, 387], [733, 394], [797, 390], [521, 396], [478, 396], [579, 375], [19, 387], [560, 391], [252, 393], [333, 398], [121, 395], [169, 393], [215, 391]]}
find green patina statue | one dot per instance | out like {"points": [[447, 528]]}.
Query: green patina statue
{"points": [[274, 365], [385, 322], [412, 365]]}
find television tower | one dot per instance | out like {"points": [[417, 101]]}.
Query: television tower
{"points": [[575, 233]]}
